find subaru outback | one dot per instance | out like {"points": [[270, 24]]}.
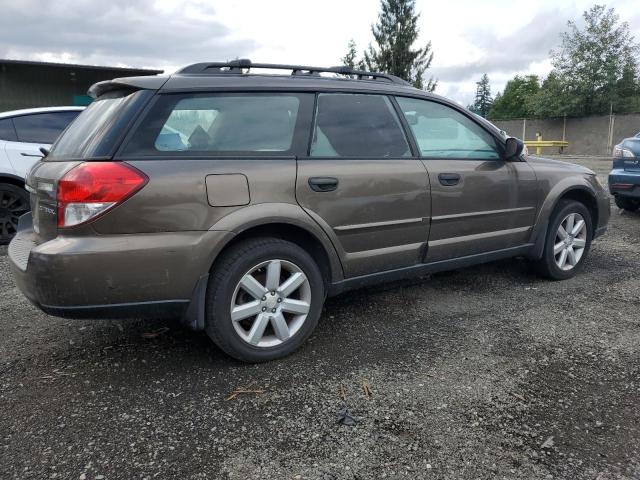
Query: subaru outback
{"points": [[238, 201]]}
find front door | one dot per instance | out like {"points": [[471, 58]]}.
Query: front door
{"points": [[361, 184], [480, 202]]}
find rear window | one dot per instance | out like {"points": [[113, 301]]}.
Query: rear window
{"points": [[98, 127], [218, 124], [42, 128]]}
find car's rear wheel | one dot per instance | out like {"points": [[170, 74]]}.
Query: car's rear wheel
{"points": [[567, 242], [264, 299], [14, 202], [626, 203]]}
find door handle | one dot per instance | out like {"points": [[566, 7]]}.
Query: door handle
{"points": [[449, 179], [30, 155], [323, 184]]}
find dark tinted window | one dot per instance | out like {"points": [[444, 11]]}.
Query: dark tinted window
{"points": [[7, 132], [253, 123], [354, 125], [42, 127], [443, 132]]}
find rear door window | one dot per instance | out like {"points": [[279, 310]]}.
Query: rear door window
{"points": [[220, 124], [357, 126], [42, 127]]}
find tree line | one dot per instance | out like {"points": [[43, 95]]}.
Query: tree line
{"points": [[595, 67]]}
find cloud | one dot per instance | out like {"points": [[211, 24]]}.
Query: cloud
{"points": [[469, 37], [117, 32], [515, 52]]}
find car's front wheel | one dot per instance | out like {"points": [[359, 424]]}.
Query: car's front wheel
{"points": [[14, 202], [264, 299], [626, 203], [567, 242]]}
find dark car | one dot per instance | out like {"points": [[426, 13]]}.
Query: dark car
{"points": [[624, 179], [238, 201]]}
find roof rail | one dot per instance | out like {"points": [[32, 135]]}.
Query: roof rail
{"points": [[237, 66]]}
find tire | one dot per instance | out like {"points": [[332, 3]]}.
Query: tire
{"points": [[626, 203], [549, 265], [242, 338], [14, 202]]}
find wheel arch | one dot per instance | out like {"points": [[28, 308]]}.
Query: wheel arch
{"points": [[293, 233], [293, 229], [12, 180], [586, 197], [578, 192]]}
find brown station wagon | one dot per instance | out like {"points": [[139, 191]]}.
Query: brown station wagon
{"points": [[238, 201]]}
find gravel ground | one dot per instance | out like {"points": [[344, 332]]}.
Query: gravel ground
{"points": [[487, 372]]}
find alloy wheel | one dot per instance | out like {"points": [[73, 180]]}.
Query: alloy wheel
{"points": [[270, 303], [570, 241]]}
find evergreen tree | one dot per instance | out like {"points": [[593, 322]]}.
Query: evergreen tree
{"points": [[349, 60], [483, 101], [395, 33], [627, 94], [514, 102]]}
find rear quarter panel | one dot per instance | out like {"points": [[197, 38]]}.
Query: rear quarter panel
{"points": [[176, 197], [176, 200]]}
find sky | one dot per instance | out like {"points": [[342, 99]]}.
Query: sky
{"points": [[469, 38]]}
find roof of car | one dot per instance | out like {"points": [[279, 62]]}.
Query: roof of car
{"points": [[247, 82], [235, 76], [242, 74], [28, 111]]}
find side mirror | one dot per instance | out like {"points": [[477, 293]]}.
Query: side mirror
{"points": [[513, 148], [44, 151]]}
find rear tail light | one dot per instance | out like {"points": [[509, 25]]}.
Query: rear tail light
{"points": [[93, 188], [619, 152], [622, 186]]}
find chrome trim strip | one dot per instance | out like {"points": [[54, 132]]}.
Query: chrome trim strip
{"points": [[478, 236], [479, 214], [390, 223]]}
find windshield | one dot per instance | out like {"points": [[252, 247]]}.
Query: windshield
{"points": [[96, 129]]}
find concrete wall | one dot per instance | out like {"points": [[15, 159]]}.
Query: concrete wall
{"points": [[586, 135]]}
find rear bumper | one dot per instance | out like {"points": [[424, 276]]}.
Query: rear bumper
{"points": [[625, 183], [115, 276]]}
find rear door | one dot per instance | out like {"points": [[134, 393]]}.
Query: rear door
{"points": [[361, 183], [35, 131], [480, 202], [7, 134]]}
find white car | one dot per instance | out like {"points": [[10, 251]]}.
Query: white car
{"points": [[22, 134]]}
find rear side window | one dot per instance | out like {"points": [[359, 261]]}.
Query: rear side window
{"points": [[42, 127], [235, 124], [443, 132], [7, 132], [355, 125]]}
